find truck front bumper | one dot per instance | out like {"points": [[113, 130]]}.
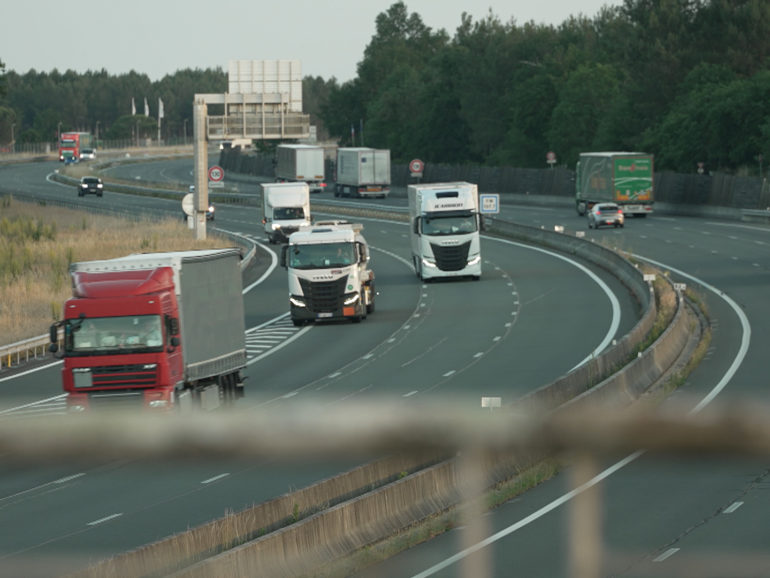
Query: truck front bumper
{"points": [[355, 310]]}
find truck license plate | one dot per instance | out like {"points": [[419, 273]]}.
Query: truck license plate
{"points": [[321, 315]]}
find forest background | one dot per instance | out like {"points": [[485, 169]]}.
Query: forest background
{"points": [[686, 80]]}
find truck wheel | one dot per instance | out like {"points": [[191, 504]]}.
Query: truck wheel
{"points": [[297, 322]]}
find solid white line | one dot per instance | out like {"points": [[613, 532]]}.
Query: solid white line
{"points": [[68, 478], [628, 459], [215, 478], [34, 403], [29, 371], [667, 554], [105, 519], [531, 518]]}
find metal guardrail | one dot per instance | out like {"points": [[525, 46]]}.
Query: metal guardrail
{"points": [[756, 215], [24, 351]]}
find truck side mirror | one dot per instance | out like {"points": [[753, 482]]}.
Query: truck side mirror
{"points": [[173, 326], [284, 255], [53, 335], [417, 225]]}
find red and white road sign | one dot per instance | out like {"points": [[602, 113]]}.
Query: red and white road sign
{"points": [[416, 166], [216, 174]]}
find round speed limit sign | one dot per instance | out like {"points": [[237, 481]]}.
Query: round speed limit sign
{"points": [[216, 174], [416, 167]]}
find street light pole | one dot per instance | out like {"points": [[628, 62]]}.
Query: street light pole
{"points": [[13, 139], [97, 132], [185, 132]]}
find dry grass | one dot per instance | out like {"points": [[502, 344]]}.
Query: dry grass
{"points": [[38, 243]]}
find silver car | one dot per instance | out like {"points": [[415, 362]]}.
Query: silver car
{"points": [[605, 214]]}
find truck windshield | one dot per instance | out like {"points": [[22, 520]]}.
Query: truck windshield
{"points": [[321, 256], [108, 334], [449, 225], [288, 213]]}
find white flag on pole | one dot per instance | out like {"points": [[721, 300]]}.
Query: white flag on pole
{"points": [[133, 106], [160, 109], [146, 107]]}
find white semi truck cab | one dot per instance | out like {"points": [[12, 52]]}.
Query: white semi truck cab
{"points": [[444, 224], [329, 275]]}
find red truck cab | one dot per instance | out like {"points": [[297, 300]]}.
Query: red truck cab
{"points": [[121, 339]]}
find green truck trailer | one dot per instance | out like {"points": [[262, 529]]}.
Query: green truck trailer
{"points": [[624, 178]]}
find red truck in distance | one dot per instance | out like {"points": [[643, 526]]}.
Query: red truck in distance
{"points": [[71, 145]]}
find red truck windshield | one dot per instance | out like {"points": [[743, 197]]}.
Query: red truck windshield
{"points": [[108, 334]]}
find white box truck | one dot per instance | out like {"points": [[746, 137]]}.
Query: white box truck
{"points": [[362, 172], [301, 163], [444, 224], [329, 275], [286, 208]]}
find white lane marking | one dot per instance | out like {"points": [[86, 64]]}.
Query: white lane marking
{"points": [[614, 324], [69, 478], [448, 373], [40, 487], [732, 507], [411, 393], [34, 403], [215, 478], [525, 521], [667, 554], [743, 350], [105, 519]]}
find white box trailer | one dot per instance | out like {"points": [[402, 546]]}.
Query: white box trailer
{"points": [[301, 163], [362, 172]]}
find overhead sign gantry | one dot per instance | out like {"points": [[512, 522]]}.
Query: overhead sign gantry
{"points": [[263, 102]]}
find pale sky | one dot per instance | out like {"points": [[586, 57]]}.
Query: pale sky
{"points": [[159, 37]]}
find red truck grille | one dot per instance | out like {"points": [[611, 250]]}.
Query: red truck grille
{"points": [[135, 375]]}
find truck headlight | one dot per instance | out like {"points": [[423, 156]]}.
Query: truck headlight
{"points": [[474, 260], [275, 226], [428, 263], [297, 301], [351, 298]]}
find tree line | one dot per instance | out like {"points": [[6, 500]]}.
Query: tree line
{"points": [[686, 80]]}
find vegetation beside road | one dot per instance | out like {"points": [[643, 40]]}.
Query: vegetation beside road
{"points": [[38, 243]]}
